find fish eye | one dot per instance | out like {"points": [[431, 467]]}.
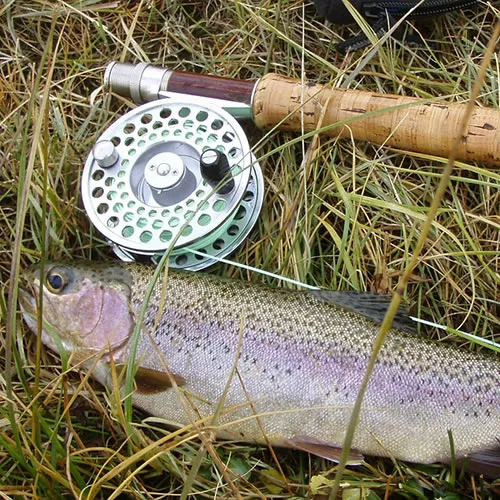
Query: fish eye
{"points": [[55, 282]]}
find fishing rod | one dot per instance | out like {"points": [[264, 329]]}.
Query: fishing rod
{"points": [[177, 174], [425, 126]]}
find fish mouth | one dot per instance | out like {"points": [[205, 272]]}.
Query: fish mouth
{"points": [[29, 308], [28, 305], [26, 298]]}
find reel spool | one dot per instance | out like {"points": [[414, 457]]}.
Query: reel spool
{"points": [[173, 176]]}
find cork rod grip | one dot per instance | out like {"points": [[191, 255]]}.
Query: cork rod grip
{"points": [[414, 125]]}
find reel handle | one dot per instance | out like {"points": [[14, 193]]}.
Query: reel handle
{"points": [[407, 123]]}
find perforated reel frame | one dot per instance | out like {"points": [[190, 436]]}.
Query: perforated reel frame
{"points": [[144, 222]]}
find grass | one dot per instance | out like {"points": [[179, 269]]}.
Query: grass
{"points": [[337, 214]]}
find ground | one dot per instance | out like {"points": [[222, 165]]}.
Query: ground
{"points": [[338, 213]]}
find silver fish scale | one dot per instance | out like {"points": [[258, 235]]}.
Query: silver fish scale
{"points": [[300, 362]]}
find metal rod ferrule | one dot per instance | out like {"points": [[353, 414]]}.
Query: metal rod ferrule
{"points": [[141, 82]]}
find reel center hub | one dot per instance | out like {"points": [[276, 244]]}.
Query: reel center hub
{"points": [[164, 171]]}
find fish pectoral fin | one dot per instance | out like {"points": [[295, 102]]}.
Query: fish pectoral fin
{"points": [[149, 381], [372, 306], [323, 450]]}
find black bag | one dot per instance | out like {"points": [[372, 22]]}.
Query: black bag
{"points": [[377, 12]]}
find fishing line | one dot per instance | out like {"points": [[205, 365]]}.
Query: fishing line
{"points": [[469, 336], [259, 271], [396, 298]]}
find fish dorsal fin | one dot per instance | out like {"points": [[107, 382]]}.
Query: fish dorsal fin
{"points": [[323, 450], [149, 381], [371, 305]]}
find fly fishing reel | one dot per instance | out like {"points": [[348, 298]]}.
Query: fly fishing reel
{"points": [[174, 175]]}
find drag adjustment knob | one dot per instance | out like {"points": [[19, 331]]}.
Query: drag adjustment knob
{"points": [[215, 169]]}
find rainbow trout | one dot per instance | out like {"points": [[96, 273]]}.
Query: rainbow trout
{"points": [[271, 365]]}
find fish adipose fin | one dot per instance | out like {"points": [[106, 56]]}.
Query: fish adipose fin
{"points": [[148, 381], [323, 450], [371, 305]]}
